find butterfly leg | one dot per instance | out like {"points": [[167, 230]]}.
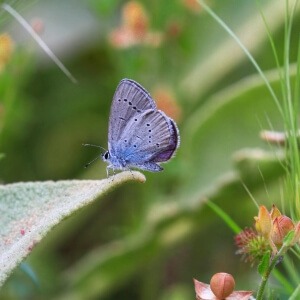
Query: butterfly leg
{"points": [[107, 171], [131, 172]]}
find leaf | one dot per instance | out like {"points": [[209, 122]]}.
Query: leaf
{"points": [[264, 264], [288, 239], [30, 209], [229, 121]]}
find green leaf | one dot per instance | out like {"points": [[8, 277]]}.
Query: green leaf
{"points": [[263, 266], [244, 103], [29, 210], [289, 238]]}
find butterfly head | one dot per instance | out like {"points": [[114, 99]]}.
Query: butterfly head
{"points": [[105, 156]]}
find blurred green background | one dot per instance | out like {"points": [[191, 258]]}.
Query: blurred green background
{"points": [[142, 241]]}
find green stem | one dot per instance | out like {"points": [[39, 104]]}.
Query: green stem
{"points": [[265, 278]]}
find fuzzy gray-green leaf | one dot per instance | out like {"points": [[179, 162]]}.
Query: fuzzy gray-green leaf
{"points": [[29, 210]]}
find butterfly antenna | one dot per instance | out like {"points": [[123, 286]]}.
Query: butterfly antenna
{"points": [[92, 161], [94, 146]]}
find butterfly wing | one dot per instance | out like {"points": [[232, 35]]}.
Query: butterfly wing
{"points": [[130, 99], [147, 139]]}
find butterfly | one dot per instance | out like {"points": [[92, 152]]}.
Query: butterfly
{"points": [[139, 135]]}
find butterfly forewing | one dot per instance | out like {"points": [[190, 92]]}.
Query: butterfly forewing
{"points": [[130, 100]]}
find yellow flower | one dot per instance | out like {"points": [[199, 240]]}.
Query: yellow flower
{"points": [[263, 223]]}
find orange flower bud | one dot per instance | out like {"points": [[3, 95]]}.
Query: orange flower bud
{"points": [[135, 18], [263, 223], [275, 212], [222, 285], [166, 102], [134, 29], [282, 225]]}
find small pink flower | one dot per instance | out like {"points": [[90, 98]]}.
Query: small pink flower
{"points": [[134, 29], [252, 246]]}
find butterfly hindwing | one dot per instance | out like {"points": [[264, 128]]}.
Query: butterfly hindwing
{"points": [[148, 138]]}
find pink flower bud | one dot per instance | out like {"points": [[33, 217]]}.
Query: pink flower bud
{"points": [[282, 225], [222, 285]]}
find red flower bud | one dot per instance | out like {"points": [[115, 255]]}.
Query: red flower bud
{"points": [[282, 225]]}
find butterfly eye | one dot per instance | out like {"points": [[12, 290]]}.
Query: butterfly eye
{"points": [[106, 155]]}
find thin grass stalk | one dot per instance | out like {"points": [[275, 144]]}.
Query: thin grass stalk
{"points": [[37, 38], [271, 40], [249, 55]]}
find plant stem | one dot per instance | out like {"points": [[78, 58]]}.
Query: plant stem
{"points": [[265, 278], [295, 293]]}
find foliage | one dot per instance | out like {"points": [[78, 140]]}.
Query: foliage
{"points": [[140, 241]]}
